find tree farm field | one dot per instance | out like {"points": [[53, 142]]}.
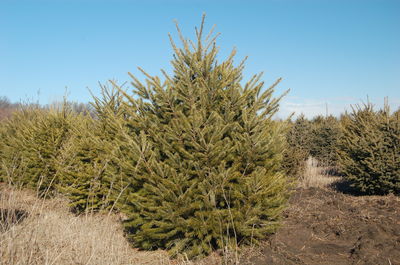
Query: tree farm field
{"points": [[207, 162]]}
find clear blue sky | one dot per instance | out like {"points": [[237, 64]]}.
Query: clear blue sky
{"points": [[327, 51]]}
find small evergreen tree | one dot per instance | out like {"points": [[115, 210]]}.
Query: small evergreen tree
{"points": [[87, 169], [32, 140], [324, 139], [204, 165], [297, 146], [370, 150]]}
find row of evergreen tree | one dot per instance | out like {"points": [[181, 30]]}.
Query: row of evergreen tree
{"points": [[196, 162], [317, 138], [363, 146]]}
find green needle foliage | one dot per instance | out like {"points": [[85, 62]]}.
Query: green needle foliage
{"points": [[205, 157], [87, 169], [370, 150], [298, 137], [324, 139], [5, 130], [32, 141]]}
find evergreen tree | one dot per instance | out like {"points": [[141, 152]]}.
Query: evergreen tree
{"points": [[3, 135], [32, 140], [325, 135], [88, 172], [204, 165], [298, 138], [369, 153]]}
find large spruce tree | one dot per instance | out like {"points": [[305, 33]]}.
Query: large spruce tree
{"points": [[205, 156]]}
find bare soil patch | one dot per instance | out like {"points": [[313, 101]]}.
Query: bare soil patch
{"points": [[322, 226]]}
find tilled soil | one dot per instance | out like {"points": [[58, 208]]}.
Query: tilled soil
{"points": [[322, 226]]}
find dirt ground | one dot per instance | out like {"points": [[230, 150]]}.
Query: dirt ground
{"points": [[322, 226]]}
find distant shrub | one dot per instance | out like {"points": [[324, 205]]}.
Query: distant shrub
{"points": [[370, 149], [6, 108]]}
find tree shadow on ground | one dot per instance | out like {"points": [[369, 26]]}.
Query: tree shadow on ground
{"points": [[344, 186]]}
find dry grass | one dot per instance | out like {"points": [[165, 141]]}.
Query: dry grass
{"points": [[36, 231], [49, 234], [316, 176]]}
